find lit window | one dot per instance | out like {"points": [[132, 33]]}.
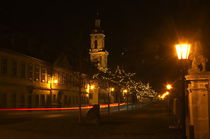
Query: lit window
{"points": [[30, 71], [36, 73], [43, 73]]}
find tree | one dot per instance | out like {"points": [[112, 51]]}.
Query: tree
{"points": [[125, 80]]}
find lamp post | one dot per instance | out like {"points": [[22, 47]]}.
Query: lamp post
{"points": [[125, 91], [111, 89], [183, 51], [168, 88]]}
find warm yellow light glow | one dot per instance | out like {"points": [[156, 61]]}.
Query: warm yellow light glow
{"points": [[52, 81], [169, 86], [112, 89], [183, 50], [87, 88], [164, 95], [125, 91], [55, 81], [92, 87]]}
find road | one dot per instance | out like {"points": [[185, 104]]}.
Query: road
{"points": [[150, 121]]}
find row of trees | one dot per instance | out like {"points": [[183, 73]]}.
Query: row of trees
{"points": [[125, 80]]}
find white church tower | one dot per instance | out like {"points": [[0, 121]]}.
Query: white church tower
{"points": [[97, 52]]}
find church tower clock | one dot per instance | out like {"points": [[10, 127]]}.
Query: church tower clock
{"points": [[97, 51]]}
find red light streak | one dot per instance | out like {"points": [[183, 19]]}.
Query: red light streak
{"points": [[68, 108]]}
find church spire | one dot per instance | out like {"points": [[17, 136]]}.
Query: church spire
{"points": [[98, 54], [97, 21], [97, 27]]}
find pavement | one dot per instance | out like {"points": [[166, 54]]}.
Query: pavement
{"points": [[147, 122]]}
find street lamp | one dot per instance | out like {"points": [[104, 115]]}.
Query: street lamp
{"points": [[169, 87], [183, 51]]}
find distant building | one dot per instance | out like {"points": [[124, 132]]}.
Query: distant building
{"points": [[26, 81], [29, 82], [98, 54]]}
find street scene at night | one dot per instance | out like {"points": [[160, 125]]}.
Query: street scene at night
{"points": [[105, 69]]}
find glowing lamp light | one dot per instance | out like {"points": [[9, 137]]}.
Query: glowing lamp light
{"points": [[183, 50], [168, 86], [125, 91], [92, 87], [89, 87], [164, 95], [112, 89], [55, 81]]}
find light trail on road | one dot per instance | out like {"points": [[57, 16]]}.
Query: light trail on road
{"points": [[68, 108]]}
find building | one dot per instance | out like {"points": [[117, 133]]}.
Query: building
{"points": [[98, 54], [30, 82], [26, 81]]}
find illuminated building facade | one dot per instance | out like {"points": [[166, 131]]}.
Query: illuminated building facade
{"points": [[30, 82], [98, 54]]}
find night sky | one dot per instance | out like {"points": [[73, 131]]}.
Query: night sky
{"points": [[144, 30]]}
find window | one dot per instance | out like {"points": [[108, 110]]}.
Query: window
{"points": [[54, 98], [49, 74], [14, 68], [65, 100], [42, 99], [64, 78], [4, 63], [30, 71], [43, 74], [23, 70], [70, 80], [37, 100], [67, 79], [96, 44], [36, 73]]}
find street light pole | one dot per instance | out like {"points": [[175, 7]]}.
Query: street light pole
{"points": [[127, 100], [183, 98], [109, 102], [168, 88], [183, 51], [118, 101], [80, 93], [125, 91]]}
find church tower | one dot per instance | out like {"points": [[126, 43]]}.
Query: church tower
{"points": [[97, 52]]}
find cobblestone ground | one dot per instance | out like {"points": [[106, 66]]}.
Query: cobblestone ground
{"points": [[149, 122]]}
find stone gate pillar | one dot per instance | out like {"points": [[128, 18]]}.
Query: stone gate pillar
{"points": [[198, 105]]}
